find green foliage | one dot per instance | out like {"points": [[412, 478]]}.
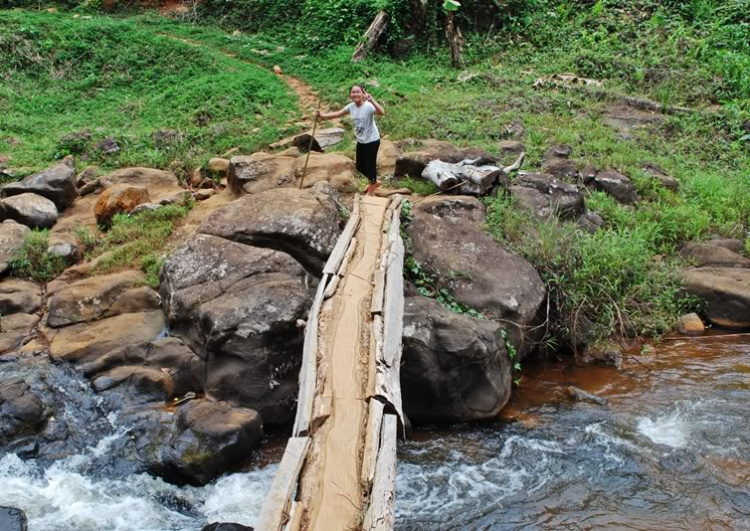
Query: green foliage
{"points": [[64, 90], [33, 261], [611, 278], [140, 241]]}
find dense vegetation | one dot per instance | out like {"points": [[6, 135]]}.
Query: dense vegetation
{"points": [[201, 81]]}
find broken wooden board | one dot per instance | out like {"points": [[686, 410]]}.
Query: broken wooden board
{"points": [[277, 505], [379, 516]]}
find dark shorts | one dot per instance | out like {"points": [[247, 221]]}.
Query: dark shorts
{"points": [[367, 159]]}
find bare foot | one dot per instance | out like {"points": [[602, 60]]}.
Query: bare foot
{"points": [[369, 190]]}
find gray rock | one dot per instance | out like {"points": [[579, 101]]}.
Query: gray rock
{"points": [[670, 183], [88, 174], [591, 222], [709, 254], [510, 150], [142, 384], [532, 201], [454, 368], [171, 355], [448, 240], [580, 395], [561, 151], [57, 183], [95, 298], [617, 185], [29, 209], [564, 200], [208, 439], [301, 223], [12, 519], [21, 411], [226, 526], [561, 168], [725, 291], [19, 296], [108, 146], [237, 306], [12, 236]]}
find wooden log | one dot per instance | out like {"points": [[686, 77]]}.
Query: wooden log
{"points": [[342, 244], [379, 516], [277, 504], [372, 442], [441, 174], [371, 37], [376, 348], [308, 371]]}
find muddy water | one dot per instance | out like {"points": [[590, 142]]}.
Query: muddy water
{"points": [[671, 450]]}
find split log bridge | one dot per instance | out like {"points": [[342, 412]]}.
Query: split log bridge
{"points": [[339, 468]]}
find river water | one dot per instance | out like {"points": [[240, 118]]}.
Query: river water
{"points": [[671, 450]]}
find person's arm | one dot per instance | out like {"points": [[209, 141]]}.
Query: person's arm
{"points": [[379, 110], [330, 115]]}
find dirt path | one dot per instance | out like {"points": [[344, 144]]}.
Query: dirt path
{"points": [[332, 493], [308, 98]]}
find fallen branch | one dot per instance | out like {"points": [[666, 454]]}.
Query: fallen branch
{"points": [[371, 37]]}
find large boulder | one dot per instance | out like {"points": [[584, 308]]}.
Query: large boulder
{"points": [[413, 163], [617, 185], [448, 240], [237, 307], [141, 384], [21, 411], [32, 210], [454, 368], [207, 440], [260, 172], [563, 199], [710, 254], [84, 342], [57, 183], [303, 224], [99, 297], [387, 156], [12, 236], [19, 296], [169, 355], [557, 162], [119, 199], [162, 186], [337, 170], [725, 291]]}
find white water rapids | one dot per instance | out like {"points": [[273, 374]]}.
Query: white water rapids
{"points": [[670, 451]]}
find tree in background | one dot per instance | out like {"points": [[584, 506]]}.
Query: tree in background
{"points": [[453, 33]]}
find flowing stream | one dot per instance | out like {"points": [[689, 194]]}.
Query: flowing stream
{"points": [[671, 450]]}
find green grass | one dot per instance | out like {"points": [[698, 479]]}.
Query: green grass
{"points": [[694, 53], [139, 242], [111, 78], [34, 262]]}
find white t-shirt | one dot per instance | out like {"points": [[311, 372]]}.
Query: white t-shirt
{"points": [[363, 117]]}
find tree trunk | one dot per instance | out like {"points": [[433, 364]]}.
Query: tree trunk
{"points": [[455, 40], [373, 33]]}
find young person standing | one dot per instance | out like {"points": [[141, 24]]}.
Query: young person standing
{"points": [[362, 110]]}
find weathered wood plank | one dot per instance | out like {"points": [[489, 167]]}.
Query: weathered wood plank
{"points": [[372, 441], [376, 306], [376, 348], [342, 244], [275, 508], [379, 516], [308, 370]]}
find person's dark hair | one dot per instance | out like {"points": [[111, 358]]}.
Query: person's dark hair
{"points": [[360, 85]]}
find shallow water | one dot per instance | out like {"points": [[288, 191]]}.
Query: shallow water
{"points": [[670, 451]]}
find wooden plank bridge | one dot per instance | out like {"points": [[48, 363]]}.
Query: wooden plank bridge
{"points": [[339, 468]]}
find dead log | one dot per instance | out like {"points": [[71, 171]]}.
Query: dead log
{"points": [[441, 174], [371, 37]]}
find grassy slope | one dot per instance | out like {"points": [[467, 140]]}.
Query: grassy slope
{"points": [[63, 74], [696, 59]]}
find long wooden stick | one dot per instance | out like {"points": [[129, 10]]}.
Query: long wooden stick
{"points": [[440, 192], [309, 149]]}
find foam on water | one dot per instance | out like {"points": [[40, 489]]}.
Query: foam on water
{"points": [[62, 498], [671, 430]]}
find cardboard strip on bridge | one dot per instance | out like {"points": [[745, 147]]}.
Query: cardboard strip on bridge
{"points": [[339, 468]]}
